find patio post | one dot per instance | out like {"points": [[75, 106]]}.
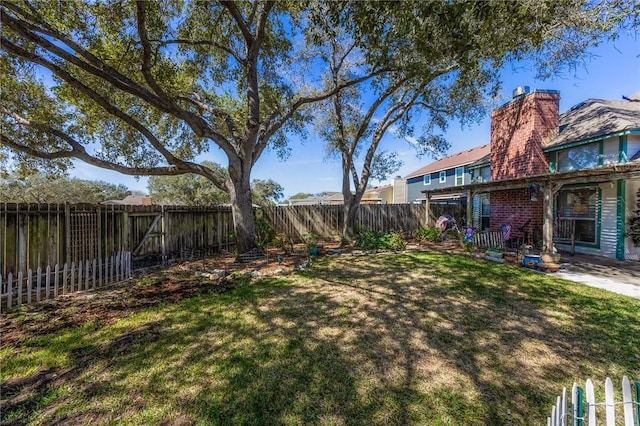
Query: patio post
{"points": [[469, 208], [428, 210], [549, 190]]}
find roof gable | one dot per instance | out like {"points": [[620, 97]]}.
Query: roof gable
{"points": [[596, 118]]}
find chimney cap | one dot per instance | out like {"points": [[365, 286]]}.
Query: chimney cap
{"points": [[521, 90]]}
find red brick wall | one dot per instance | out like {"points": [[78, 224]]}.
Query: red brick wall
{"points": [[517, 132], [515, 208]]}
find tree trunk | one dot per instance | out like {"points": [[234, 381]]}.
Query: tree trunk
{"points": [[349, 219], [242, 209]]}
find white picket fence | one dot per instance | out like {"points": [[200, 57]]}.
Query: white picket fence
{"points": [[52, 282], [581, 413]]}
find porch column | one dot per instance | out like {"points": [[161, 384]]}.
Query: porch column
{"points": [[469, 208], [549, 190]]}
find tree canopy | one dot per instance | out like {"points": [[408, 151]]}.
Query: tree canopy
{"points": [[39, 188], [442, 61], [195, 190]]}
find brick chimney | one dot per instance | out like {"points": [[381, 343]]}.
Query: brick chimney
{"points": [[518, 130]]}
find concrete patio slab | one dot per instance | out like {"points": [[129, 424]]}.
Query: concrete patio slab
{"points": [[621, 277]]}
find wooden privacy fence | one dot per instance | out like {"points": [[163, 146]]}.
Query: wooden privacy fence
{"points": [[68, 278], [326, 220], [582, 409], [33, 236], [49, 249]]}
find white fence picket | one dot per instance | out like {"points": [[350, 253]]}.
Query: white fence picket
{"points": [[56, 281], [610, 408], [47, 283], [627, 402], [83, 275], [631, 407], [591, 403]]}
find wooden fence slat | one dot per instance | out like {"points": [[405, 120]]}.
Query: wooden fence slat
{"points": [[86, 274], [1, 291], [38, 283], [29, 285], [93, 277], [19, 302], [9, 290], [80, 275], [65, 269]]}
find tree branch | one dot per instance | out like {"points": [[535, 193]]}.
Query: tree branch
{"points": [[90, 93], [237, 17], [237, 57], [141, 17], [110, 75], [219, 114]]}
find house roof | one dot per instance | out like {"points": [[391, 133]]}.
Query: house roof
{"points": [[132, 200], [455, 160], [596, 118], [374, 193], [327, 198]]}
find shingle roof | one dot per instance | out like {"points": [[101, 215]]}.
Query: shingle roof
{"points": [[454, 160], [595, 118]]}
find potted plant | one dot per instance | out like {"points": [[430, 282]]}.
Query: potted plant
{"points": [[311, 241]]}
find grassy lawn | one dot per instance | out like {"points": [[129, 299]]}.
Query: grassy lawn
{"points": [[414, 338]]}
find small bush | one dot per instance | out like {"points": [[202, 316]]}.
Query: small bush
{"points": [[430, 233], [375, 240]]}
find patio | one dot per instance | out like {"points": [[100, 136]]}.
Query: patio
{"points": [[621, 277]]}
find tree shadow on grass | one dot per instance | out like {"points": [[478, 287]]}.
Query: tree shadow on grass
{"points": [[408, 339]]}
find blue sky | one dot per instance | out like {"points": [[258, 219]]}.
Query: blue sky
{"points": [[613, 70]]}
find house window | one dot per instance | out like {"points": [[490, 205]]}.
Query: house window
{"points": [[485, 174], [459, 176], [580, 204], [427, 179], [485, 212], [578, 158], [443, 176]]}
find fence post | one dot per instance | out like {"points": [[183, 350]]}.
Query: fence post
{"points": [[163, 236], [67, 232]]}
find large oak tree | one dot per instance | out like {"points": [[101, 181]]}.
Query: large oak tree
{"points": [[145, 87]]}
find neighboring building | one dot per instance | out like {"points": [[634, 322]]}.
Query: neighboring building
{"points": [[451, 171], [132, 200], [378, 195], [328, 198], [545, 169]]}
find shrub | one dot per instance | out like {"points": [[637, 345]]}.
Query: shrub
{"points": [[430, 233], [375, 240]]}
